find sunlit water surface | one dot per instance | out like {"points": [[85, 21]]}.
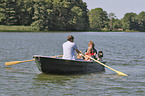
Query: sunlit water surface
{"points": [[124, 52]]}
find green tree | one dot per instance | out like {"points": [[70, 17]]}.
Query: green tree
{"points": [[141, 21], [16, 12], [60, 15], [130, 21], [24, 12], [77, 22], [70, 15], [56, 15], [98, 19], [112, 18], [43, 15], [2, 16], [117, 24], [79, 19], [8, 10]]}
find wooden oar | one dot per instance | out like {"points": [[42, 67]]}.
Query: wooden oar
{"points": [[17, 62], [56, 56], [118, 72]]}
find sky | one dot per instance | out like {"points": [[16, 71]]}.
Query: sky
{"points": [[119, 7]]}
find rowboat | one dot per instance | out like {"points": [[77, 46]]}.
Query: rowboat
{"points": [[49, 64]]}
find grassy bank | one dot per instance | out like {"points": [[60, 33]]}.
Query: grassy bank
{"points": [[4, 28]]}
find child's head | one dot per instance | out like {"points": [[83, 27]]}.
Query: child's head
{"points": [[100, 54]]}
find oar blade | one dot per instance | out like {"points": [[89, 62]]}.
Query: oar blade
{"points": [[121, 74], [12, 63], [17, 62]]}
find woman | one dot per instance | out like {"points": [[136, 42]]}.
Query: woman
{"points": [[89, 53], [93, 50]]}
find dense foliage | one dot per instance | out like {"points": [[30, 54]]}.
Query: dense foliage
{"points": [[16, 12], [98, 19], [54, 15], [65, 15]]}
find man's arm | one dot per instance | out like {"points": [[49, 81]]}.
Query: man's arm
{"points": [[78, 51]]}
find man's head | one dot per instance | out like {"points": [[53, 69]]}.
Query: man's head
{"points": [[70, 38]]}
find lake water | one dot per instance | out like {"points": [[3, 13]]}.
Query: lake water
{"points": [[123, 51]]}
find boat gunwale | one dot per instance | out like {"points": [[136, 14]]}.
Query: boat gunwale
{"points": [[58, 58]]}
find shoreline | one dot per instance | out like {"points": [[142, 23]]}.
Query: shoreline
{"points": [[4, 28]]}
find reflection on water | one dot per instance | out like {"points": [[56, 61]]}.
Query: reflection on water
{"points": [[58, 79]]}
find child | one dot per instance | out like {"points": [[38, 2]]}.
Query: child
{"points": [[100, 55], [94, 51], [89, 53]]}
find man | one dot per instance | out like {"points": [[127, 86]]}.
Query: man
{"points": [[69, 48]]}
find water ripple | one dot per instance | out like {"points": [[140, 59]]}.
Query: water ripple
{"points": [[122, 51]]}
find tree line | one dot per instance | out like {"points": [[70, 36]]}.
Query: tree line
{"points": [[99, 20], [65, 15]]}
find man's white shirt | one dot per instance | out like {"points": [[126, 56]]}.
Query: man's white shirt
{"points": [[69, 49]]}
